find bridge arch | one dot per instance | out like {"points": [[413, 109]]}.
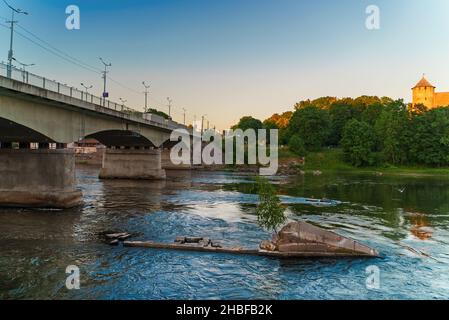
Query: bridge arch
{"points": [[126, 138], [11, 131]]}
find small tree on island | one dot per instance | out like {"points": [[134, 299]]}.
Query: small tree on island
{"points": [[270, 212]]}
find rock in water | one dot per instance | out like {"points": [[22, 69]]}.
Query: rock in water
{"points": [[304, 237], [267, 246]]}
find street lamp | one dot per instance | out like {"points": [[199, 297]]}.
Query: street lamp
{"points": [[184, 109], [202, 122], [169, 106], [24, 65], [123, 103], [87, 87], [105, 72], [11, 52], [146, 95]]}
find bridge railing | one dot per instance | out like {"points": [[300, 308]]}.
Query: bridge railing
{"points": [[66, 90]]}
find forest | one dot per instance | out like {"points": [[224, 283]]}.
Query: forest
{"points": [[371, 131]]}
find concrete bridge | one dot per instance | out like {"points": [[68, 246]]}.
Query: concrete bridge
{"points": [[38, 118]]}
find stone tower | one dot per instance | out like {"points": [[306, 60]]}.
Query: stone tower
{"points": [[424, 93]]}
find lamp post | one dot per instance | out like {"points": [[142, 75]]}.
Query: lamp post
{"points": [[184, 110], [24, 65], [105, 72], [146, 95], [169, 106], [11, 52], [87, 87], [123, 103], [202, 122]]}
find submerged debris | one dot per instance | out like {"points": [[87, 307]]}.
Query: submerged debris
{"points": [[113, 238], [203, 242]]}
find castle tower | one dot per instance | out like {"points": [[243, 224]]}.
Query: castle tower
{"points": [[424, 93]]}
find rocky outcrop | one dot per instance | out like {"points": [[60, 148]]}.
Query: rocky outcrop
{"points": [[302, 237]]}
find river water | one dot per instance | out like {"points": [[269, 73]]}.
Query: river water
{"points": [[406, 219]]}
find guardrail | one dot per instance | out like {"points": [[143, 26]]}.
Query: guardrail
{"points": [[54, 86]]}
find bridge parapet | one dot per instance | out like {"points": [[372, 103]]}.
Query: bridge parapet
{"points": [[27, 83]]}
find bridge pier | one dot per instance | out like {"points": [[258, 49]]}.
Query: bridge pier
{"points": [[40, 178], [135, 164]]}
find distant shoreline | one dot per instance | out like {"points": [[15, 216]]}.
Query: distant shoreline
{"points": [[331, 160]]}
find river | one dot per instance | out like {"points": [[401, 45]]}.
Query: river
{"points": [[406, 219]]}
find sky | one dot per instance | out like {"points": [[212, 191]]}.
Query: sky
{"points": [[230, 58]]}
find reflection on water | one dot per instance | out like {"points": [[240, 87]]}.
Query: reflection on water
{"points": [[420, 227], [406, 219]]}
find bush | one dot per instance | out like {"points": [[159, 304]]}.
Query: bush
{"points": [[270, 213], [296, 145]]}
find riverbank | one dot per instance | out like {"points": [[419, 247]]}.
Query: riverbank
{"points": [[331, 160]]}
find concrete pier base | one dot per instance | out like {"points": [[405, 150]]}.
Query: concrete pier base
{"points": [[168, 165], [133, 164], [38, 179]]}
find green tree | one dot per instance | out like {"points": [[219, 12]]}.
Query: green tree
{"points": [[430, 140], [270, 213], [393, 130], [313, 126], [248, 122], [296, 145], [321, 103], [358, 143], [281, 122], [340, 113], [372, 112]]}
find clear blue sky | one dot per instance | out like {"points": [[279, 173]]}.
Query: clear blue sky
{"points": [[230, 58]]}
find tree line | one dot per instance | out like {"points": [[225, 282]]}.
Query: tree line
{"points": [[370, 130]]}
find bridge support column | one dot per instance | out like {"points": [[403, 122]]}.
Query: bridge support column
{"points": [[168, 165], [38, 179], [132, 164]]}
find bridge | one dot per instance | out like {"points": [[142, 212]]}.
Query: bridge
{"points": [[39, 117]]}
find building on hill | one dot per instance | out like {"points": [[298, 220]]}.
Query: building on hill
{"points": [[424, 93]]}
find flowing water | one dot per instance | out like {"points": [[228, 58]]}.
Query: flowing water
{"points": [[406, 219]]}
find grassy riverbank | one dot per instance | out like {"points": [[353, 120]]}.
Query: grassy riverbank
{"points": [[332, 160]]}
